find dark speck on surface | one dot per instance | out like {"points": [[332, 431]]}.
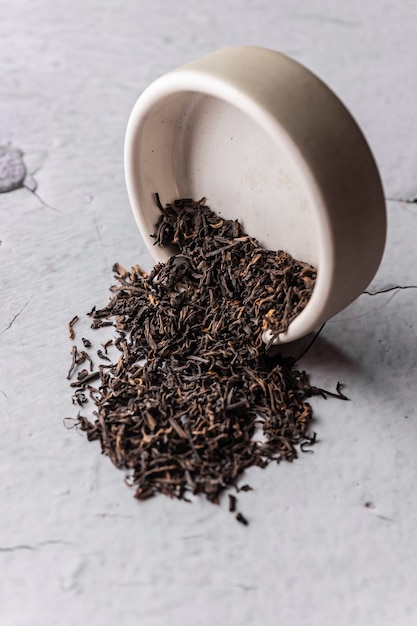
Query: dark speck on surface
{"points": [[12, 169]]}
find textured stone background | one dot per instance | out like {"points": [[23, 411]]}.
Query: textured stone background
{"points": [[332, 537]]}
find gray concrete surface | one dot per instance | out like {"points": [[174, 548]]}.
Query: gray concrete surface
{"points": [[332, 537]]}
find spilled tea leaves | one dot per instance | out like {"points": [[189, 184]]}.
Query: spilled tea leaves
{"points": [[194, 397]]}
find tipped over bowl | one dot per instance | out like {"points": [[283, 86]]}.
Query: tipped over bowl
{"points": [[268, 143]]}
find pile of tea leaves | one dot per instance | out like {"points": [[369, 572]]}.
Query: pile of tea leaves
{"points": [[194, 397]]}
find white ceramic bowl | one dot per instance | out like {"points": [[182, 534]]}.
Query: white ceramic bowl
{"points": [[268, 143]]}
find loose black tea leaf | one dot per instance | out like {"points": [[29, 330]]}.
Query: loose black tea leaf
{"points": [[106, 344], [242, 519], [103, 356], [78, 358], [79, 397], [232, 503], [194, 386], [70, 326]]}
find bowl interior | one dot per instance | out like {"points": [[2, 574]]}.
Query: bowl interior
{"points": [[196, 145]]}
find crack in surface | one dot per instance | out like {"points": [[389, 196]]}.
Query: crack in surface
{"points": [[325, 19], [32, 548], [14, 318], [18, 548], [387, 289], [395, 289], [405, 200], [113, 515], [54, 542], [38, 197], [97, 228]]}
